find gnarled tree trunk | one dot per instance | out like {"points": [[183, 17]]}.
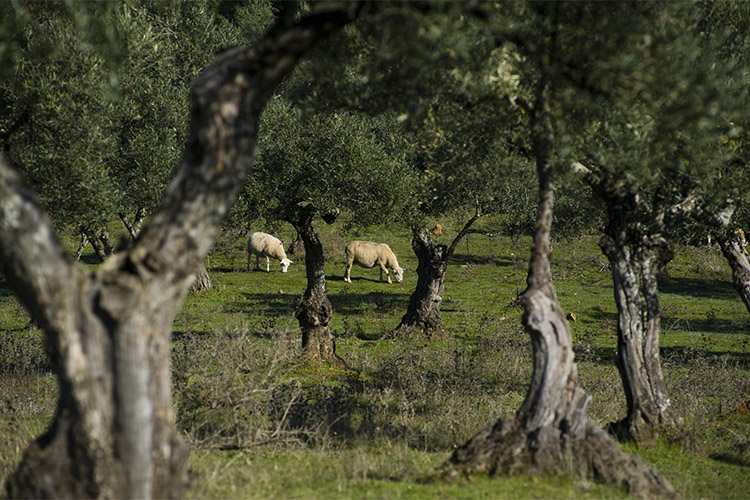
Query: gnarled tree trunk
{"points": [[634, 257], [423, 313], [738, 261], [202, 281], [108, 335], [313, 310], [550, 432], [99, 249]]}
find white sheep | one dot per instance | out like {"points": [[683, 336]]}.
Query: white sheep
{"points": [[265, 245], [368, 254]]}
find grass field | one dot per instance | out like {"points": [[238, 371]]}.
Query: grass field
{"points": [[262, 426]]}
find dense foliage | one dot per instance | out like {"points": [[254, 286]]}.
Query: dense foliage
{"points": [[96, 111]]}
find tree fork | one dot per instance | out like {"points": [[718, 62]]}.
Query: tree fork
{"points": [[423, 313]]}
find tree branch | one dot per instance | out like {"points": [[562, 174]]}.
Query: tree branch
{"points": [[33, 260], [462, 233]]}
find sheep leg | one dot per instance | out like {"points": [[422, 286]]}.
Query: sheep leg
{"points": [[387, 274], [268, 264], [248, 261], [257, 262], [347, 272]]}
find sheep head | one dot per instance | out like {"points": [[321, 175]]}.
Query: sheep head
{"points": [[398, 273]]}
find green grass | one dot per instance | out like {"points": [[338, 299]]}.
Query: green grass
{"points": [[262, 426], [380, 470]]}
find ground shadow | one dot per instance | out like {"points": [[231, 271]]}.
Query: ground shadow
{"points": [[274, 305], [356, 303], [90, 259], [729, 459], [693, 287], [360, 278], [480, 260], [708, 325], [265, 304]]}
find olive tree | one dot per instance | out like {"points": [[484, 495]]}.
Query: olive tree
{"points": [[650, 155], [313, 166], [108, 334], [550, 431], [723, 207]]}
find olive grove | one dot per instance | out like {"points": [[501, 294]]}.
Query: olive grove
{"points": [[421, 111]]}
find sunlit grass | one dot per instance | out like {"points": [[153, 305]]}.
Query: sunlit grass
{"points": [[381, 429]]}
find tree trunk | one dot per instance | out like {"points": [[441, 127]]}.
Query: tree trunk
{"points": [[423, 313], [135, 228], [81, 246], [313, 310], [98, 249], [634, 256], [107, 245], [202, 279], [108, 335], [550, 431], [738, 261]]}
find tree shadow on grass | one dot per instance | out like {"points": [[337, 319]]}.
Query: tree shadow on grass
{"points": [[356, 278], [693, 287], [358, 303], [463, 259], [90, 259], [274, 305], [708, 325], [729, 459]]}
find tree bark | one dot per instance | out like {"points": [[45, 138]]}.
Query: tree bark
{"points": [[550, 432], [423, 313], [313, 309], [108, 335], [135, 228], [202, 280], [738, 261], [634, 256], [98, 248]]}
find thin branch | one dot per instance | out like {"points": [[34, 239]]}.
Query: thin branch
{"points": [[462, 233]]}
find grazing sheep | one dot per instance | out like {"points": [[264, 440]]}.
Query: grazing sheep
{"points": [[368, 254], [265, 245]]}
